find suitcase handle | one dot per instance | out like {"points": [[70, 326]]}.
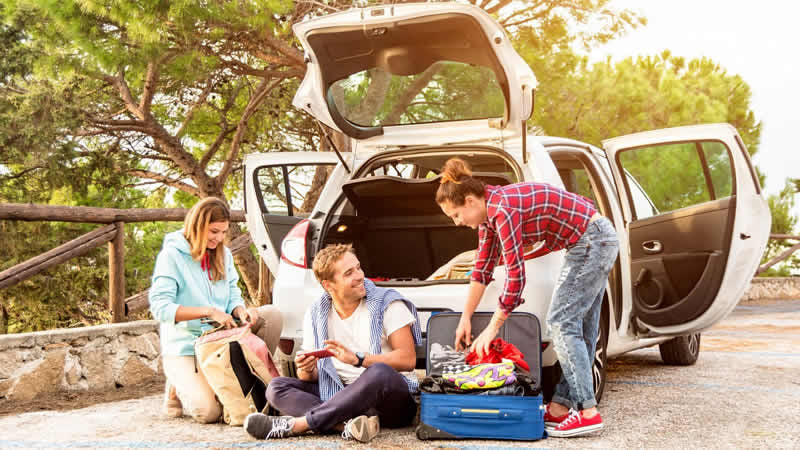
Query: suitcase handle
{"points": [[481, 413]]}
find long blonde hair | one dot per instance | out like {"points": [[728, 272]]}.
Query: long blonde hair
{"points": [[195, 230]]}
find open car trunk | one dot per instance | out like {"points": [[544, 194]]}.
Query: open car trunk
{"points": [[398, 231]]}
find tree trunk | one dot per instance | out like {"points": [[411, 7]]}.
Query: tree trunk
{"points": [[365, 112], [247, 265], [3, 320]]}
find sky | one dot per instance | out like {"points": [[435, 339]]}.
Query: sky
{"points": [[757, 40]]}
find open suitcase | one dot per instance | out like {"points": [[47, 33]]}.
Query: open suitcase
{"points": [[463, 416]]}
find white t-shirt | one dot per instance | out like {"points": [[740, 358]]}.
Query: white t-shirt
{"points": [[354, 333]]}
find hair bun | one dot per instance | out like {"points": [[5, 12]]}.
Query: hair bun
{"points": [[454, 170]]}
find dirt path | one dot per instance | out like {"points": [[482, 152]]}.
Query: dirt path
{"points": [[65, 401]]}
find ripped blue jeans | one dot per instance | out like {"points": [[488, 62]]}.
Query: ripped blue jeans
{"points": [[574, 316]]}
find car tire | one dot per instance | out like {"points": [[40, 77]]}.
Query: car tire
{"points": [[599, 365], [681, 351]]}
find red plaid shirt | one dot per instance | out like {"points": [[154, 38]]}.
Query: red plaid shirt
{"points": [[519, 215]]}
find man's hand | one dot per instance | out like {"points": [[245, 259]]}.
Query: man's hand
{"points": [[306, 363], [341, 352]]}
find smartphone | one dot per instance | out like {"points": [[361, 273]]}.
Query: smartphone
{"points": [[321, 353], [214, 323]]}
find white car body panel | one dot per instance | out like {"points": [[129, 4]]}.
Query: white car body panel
{"points": [[744, 254], [255, 221]]}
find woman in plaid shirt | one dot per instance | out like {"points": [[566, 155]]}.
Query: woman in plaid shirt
{"points": [[508, 218]]}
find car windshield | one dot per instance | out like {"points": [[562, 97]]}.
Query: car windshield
{"points": [[445, 91]]}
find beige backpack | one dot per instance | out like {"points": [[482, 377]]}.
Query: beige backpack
{"points": [[238, 367]]}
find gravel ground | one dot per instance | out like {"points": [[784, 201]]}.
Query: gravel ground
{"points": [[742, 393]]}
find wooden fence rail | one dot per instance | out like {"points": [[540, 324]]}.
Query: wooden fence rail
{"points": [[76, 247], [784, 255], [86, 214], [113, 234]]}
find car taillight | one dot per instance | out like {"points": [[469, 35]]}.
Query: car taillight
{"points": [[293, 249]]}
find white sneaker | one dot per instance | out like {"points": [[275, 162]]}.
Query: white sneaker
{"points": [[362, 428]]}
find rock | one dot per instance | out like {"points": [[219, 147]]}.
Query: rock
{"points": [[56, 345], [6, 386], [98, 341], [44, 377], [80, 342], [142, 345], [97, 368], [31, 355], [8, 363], [72, 370], [135, 372], [155, 342]]}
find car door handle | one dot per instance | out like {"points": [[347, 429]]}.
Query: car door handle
{"points": [[744, 236], [652, 247]]}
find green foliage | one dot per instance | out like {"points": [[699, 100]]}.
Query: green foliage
{"points": [[613, 99], [672, 175], [783, 222]]}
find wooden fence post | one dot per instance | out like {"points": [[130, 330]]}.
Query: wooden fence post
{"points": [[116, 274]]}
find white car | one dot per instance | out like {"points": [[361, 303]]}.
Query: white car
{"points": [[415, 84]]}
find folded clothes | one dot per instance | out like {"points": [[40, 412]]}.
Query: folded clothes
{"points": [[498, 351], [523, 386], [444, 358], [484, 376]]}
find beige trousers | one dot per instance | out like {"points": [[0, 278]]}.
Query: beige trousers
{"points": [[193, 390]]}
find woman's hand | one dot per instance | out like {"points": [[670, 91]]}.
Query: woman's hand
{"points": [[306, 363], [222, 318], [463, 333], [341, 352], [484, 340]]}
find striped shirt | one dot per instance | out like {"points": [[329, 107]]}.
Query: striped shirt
{"points": [[522, 214]]}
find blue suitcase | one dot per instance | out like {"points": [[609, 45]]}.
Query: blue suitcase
{"points": [[461, 416]]}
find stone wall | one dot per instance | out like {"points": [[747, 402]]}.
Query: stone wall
{"points": [[773, 288], [100, 357], [107, 356]]}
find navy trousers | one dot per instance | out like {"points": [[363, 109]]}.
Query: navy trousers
{"points": [[379, 391]]}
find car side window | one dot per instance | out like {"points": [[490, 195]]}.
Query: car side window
{"points": [[303, 182], [394, 169], [664, 178], [576, 180]]}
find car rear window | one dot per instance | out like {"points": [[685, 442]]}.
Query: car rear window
{"points": [[445, 91]]}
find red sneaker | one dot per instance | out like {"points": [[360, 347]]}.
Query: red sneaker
{"points": [[577, 425], [551, 420]]}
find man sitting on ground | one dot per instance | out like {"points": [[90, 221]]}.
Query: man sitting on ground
{"points": [[371, 332]]}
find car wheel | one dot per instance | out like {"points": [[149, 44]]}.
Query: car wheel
{"points": [[681, 351], [601, 355]]}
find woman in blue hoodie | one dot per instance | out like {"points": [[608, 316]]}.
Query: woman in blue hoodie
{"points": [[195, 278]]}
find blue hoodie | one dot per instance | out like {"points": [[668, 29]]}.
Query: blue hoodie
{"points": [[178, 280]]}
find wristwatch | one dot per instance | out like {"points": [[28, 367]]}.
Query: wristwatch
{"points": [[360, 356]]}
